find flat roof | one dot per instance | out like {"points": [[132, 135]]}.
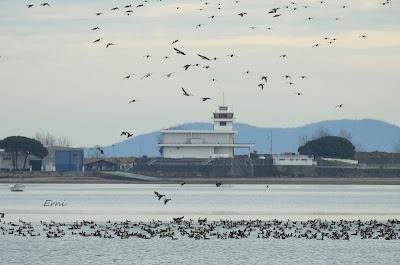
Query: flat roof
{"points": [[208, 145], [196, 131]]}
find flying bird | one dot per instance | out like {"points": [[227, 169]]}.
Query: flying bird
{"points": [[169, 74], [166, 200], [128, 76], [261, 85], [100, 150], [339, 106], [132, 101], [265, 78], [205, 99], [179, 51], [218, 184], [146, 76], [97, 40], [95, 28], [109, 44], [175, 41], [159, 195], [185, 93]]}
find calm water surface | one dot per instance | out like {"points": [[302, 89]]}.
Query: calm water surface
{"points": [[137, 202]]}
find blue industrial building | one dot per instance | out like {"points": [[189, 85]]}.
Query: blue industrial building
{"points": [[63, 159]]}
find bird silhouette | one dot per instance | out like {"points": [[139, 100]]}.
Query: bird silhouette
{"points": [[179, 51], [261, 85], [218, 184], [205, 99], [169, 74], [128, 76], [97, 40], [132, 101], [339, 106], [204, 57], [166, 200], [185, 93], [175, 41], [100, 150], [159, 195], [95, 28], [109, 44], [265, 78], [146, 76]]}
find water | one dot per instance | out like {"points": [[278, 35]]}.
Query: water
{"points": [[137, 202]]}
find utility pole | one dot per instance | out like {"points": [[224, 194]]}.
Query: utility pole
{"points": [[271, 142]]}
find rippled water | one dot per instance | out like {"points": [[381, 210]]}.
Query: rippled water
{"points": [[137, 202]]}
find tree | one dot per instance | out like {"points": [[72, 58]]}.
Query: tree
{"points": [[63, 141], [345, 134], [50, 140], [321, 132], [16, 145], [329, 146]]}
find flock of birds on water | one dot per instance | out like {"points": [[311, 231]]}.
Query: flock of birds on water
{"points": [[202, 229], [205, 61]]}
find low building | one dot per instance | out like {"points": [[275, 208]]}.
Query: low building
{"points": [[7, 163], [292, 159], [101, 165], [216, 143], [62, 159]]}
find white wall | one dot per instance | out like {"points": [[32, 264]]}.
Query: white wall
{"points": [[6, 161], [187, 152], [296, 160], [184, 138]]}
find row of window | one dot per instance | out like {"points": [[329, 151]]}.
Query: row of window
{"points": [[223, 115]]}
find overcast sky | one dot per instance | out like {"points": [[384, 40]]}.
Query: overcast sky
{"points": [[54, 79]]}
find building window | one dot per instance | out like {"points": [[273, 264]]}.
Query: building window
{"points": [[222, 123]]}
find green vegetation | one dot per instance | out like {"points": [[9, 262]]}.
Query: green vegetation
{"points": [[329, 146], [20, 145]]}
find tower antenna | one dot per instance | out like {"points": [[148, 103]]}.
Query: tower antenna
{"points": [[223, 99]]}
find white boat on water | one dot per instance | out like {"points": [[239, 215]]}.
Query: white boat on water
{"points": [[18, 186]]}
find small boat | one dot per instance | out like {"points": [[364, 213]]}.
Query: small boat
{"points": [[18, 186]]}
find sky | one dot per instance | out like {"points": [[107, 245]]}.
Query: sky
{"points": [[54, 79]]}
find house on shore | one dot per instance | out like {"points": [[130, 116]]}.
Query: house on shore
{"points": [[216, 143]]}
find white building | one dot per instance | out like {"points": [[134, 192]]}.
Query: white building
{"points": [[219, 142], [6, 161], [292, 159]]}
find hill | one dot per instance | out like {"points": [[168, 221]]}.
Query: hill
{"points": [[367, 135]]}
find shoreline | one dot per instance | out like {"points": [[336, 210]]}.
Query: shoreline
{"points": [[224, 180]]}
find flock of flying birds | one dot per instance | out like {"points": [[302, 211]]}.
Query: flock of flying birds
{"points": [[205, 61], [166, 200]]}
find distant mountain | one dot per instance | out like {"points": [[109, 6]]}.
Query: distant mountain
{"points": [[366, 135]]}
